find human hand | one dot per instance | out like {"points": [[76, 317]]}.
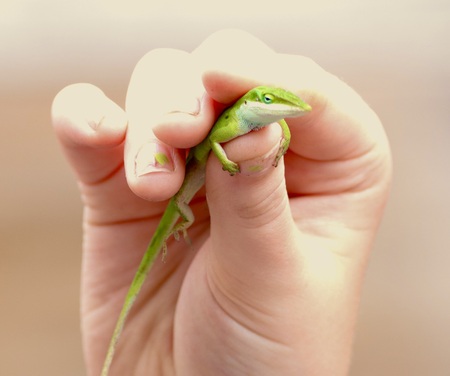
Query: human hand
{"points": [[272, 281]]}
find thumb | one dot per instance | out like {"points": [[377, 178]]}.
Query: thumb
{"points": [[252, 230]]}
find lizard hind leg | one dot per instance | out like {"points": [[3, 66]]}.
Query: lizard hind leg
{"points": [[187, 218]]}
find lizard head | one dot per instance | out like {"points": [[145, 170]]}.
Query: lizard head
{"points": [[264, 105]]}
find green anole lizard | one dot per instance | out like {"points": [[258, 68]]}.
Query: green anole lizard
{"points": [[258, 108]]}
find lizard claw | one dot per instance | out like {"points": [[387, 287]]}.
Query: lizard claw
{"points": [[232, 167], [284, 145], [187, 239], [164, 252]]}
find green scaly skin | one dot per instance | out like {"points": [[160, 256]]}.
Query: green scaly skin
{"points": [[258, 108]]}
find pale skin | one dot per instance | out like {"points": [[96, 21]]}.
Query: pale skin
{"points": [[272, 280], [256, 109]]}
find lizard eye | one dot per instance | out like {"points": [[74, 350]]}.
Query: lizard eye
{"points": [[268, 98]]}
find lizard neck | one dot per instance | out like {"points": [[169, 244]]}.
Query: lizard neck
{"points": [[249, 120]]}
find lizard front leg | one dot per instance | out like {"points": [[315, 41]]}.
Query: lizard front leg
{"points": [[227, 165], [284, 143]]}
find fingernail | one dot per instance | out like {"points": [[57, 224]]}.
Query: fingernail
{"points": [[95, 124], [191, 109], [260, 164], [106, 115], [153, 157]]}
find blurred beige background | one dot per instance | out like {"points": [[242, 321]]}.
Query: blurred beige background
{"points": [[395, 53]]}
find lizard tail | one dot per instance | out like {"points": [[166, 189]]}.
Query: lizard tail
{"points": [[163, 231]]}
